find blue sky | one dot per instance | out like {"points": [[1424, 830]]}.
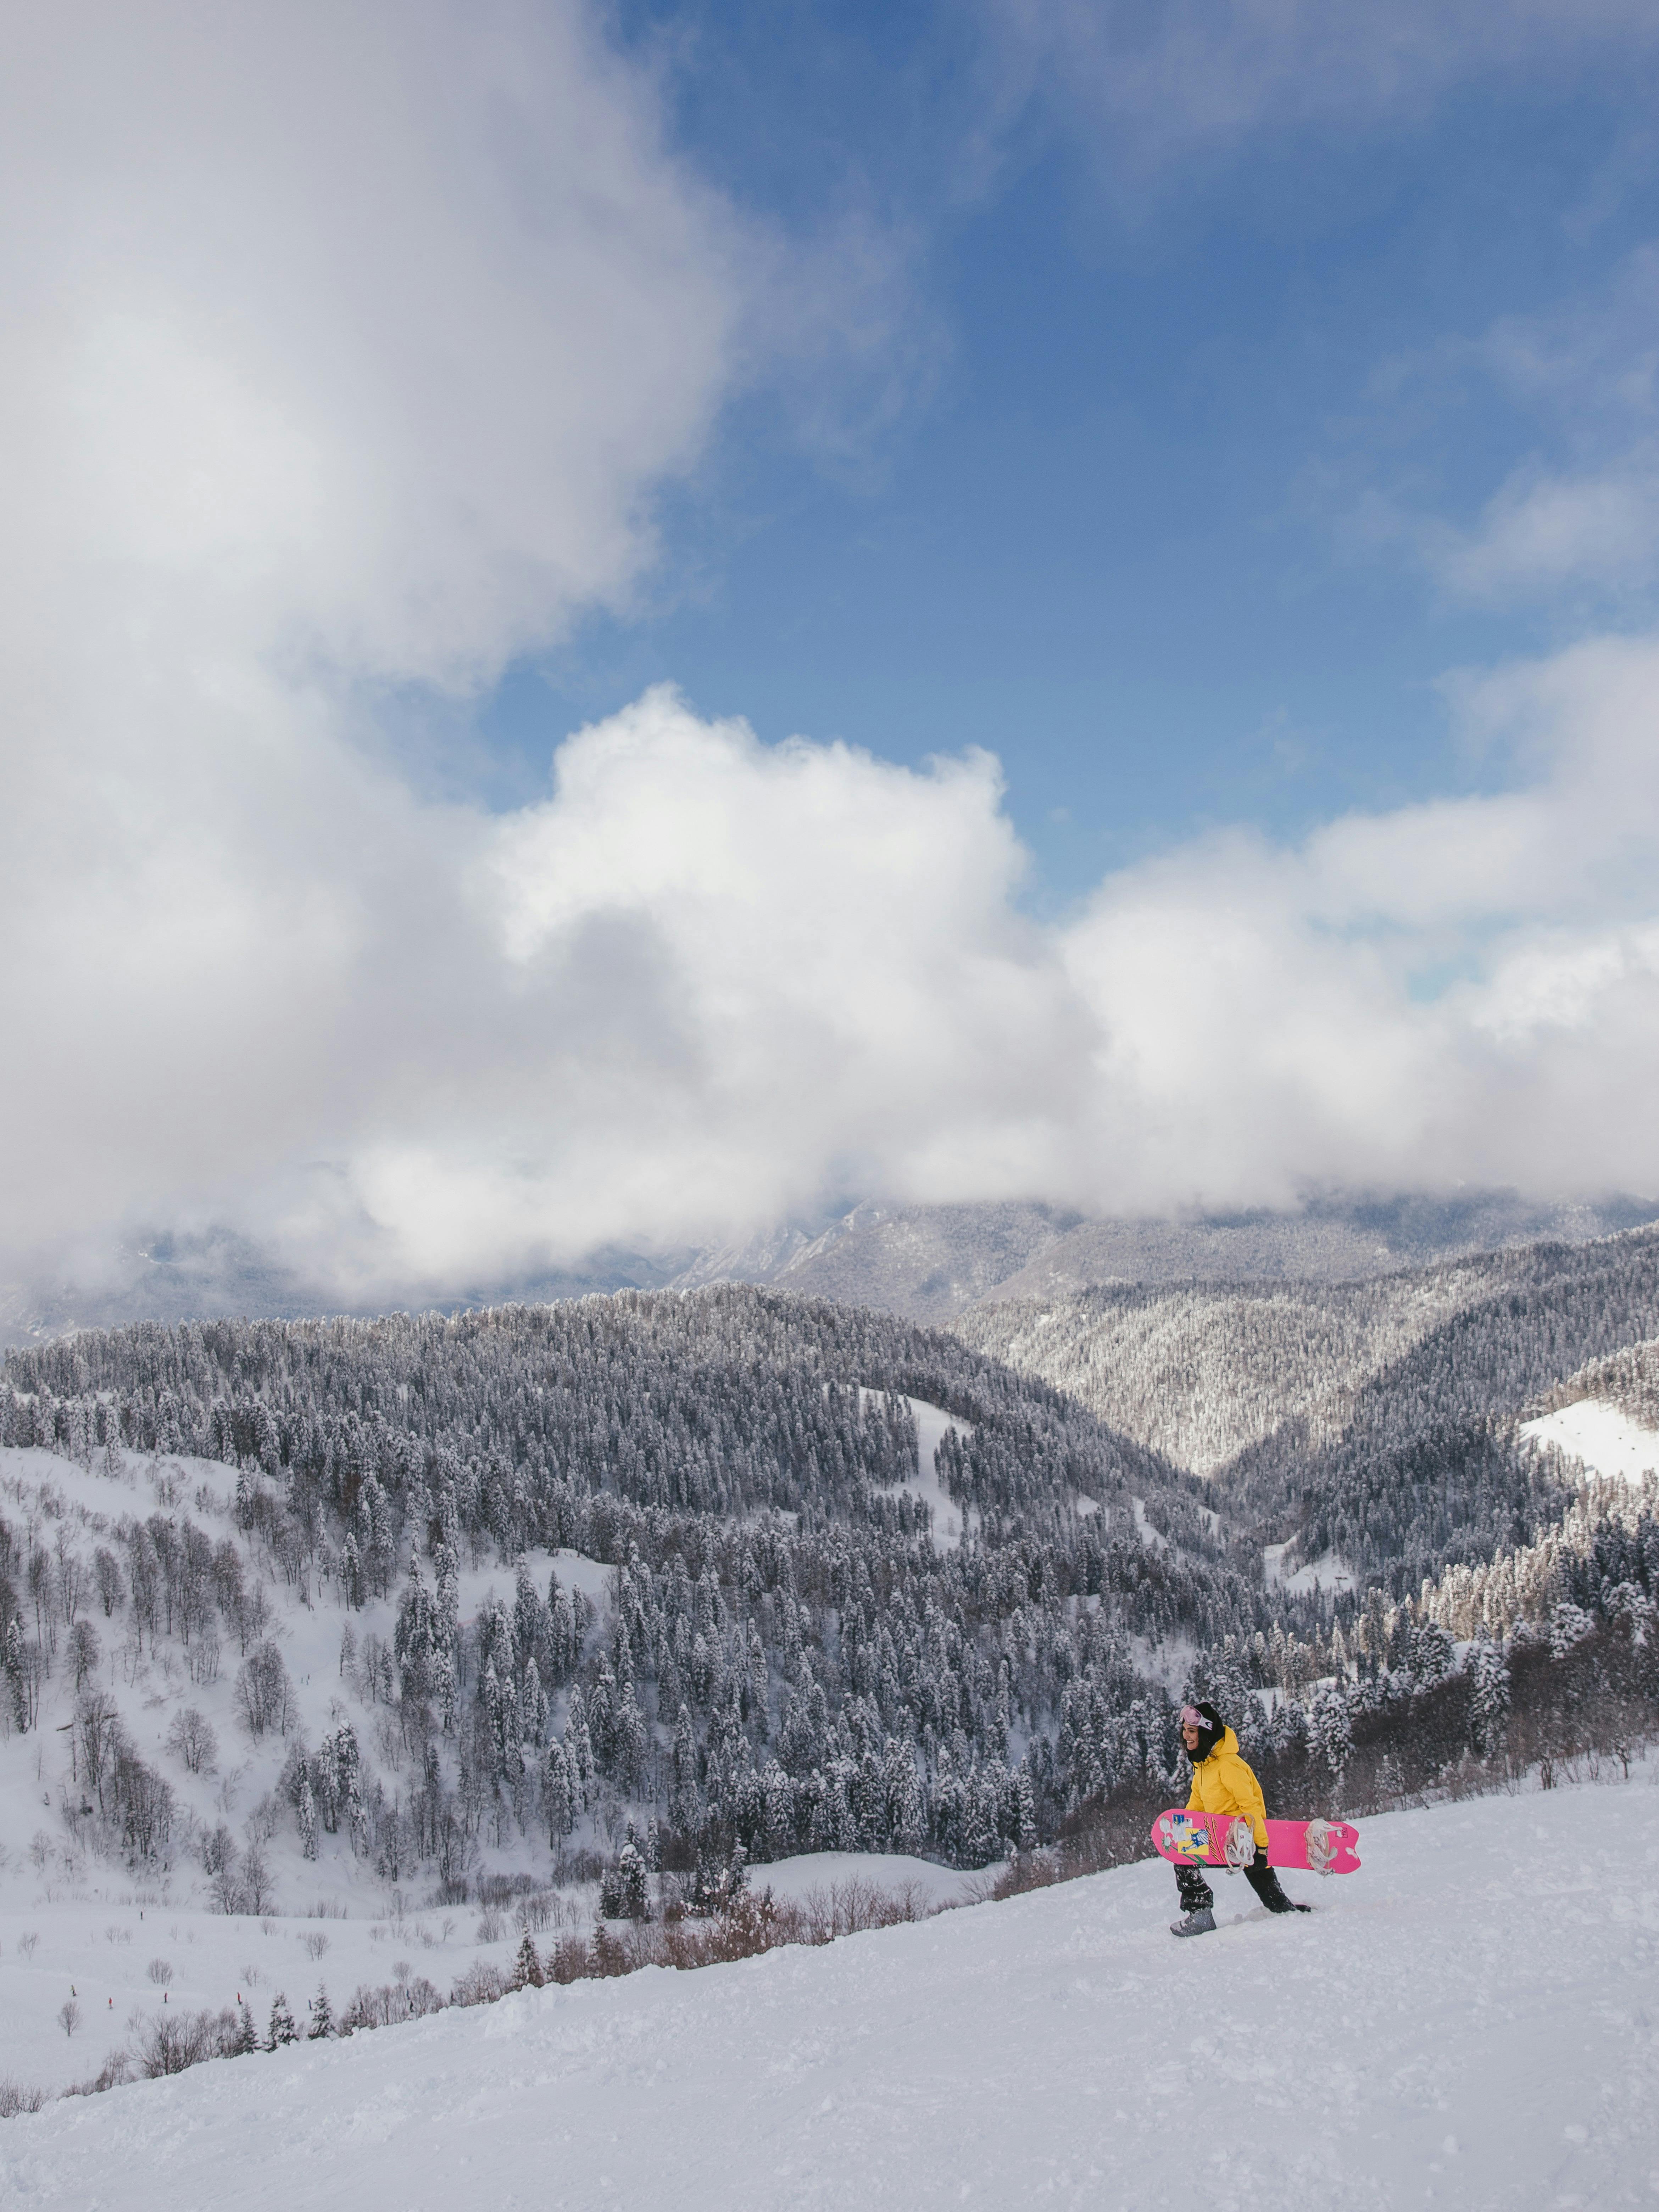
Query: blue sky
{"points": [[1102, 501]]}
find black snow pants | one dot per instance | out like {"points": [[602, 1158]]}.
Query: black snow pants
{"points": [[1196, 1893]]}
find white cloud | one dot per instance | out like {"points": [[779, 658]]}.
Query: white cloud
{"points": [[365, 374], [1153, 83], [362, 330], [1574, 521], [706, 980], [1545, 530], [348, 345]]}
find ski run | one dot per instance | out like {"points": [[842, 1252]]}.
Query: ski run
{"points": [[1471, 2021]]}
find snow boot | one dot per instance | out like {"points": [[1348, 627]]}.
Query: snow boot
{"points": [[1266, 1884], [1201, 1922]]}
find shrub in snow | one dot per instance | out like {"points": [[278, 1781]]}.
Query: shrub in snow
{"points": [[171, 2041], [479, 1984], [391, 2003]]}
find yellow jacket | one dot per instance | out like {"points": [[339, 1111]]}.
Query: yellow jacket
{"points": [[1224, 1782]]}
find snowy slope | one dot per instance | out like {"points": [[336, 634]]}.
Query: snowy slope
{"points": [[1470, 2020], [1602, 1436]]}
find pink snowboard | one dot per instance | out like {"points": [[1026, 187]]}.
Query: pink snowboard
{"points": [[1201, 1838]]}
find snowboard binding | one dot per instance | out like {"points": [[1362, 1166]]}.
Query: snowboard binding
{"points": [[1322, 1846], [1239, 1849]]}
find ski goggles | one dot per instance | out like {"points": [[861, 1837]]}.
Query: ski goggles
{"points": [[1192, 1718]]}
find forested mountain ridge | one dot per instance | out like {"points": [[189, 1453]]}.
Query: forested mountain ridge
{"points": [[728, 1399], [1429, 1469], [774, 1646], [1628, 1380], [1200, 1370], [1376, 1421], [787, 1657]]}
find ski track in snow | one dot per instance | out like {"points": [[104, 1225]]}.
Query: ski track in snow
{"points": [[1469, 2021]]}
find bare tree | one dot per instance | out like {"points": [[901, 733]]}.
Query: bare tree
{"points": [[192, 1739], [106, 1573], [97, 1742], [71, 1574], [84, 1652], [69, 2016], [258, 1890], [265, 1695]]}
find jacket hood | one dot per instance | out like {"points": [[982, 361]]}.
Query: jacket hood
{"points": [[1215, 1735]]}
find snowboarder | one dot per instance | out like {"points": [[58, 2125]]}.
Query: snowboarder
{"points": [[1223, 1782]]}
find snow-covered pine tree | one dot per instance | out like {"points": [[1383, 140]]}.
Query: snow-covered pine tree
{"points": [[624, 1893], [526, 1972], [532, 1704], [282, 2029], [1330, 1730], [1569, 1625], [1489, 1698], [558, 1794], [322, 2016], [684, 1806]]}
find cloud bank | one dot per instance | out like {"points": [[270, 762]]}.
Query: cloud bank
{"points": [[336, 379]]}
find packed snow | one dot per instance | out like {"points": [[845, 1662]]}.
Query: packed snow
{"points": [[893, 1872], [1606, 1440], [122, 1947], [1468, 2020]]}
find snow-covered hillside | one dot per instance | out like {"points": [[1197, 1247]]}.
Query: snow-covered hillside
{"points": [[335, 1664], [1468, 2020], [1603, 1437], [1202, 1371]]}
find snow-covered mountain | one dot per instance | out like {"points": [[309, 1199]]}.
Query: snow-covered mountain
{"points": [[925, 1263], [1467, 2020], [409, 1620], [1377, 1420]]}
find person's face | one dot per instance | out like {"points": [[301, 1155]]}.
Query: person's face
{"points": [[1189, 1736]]}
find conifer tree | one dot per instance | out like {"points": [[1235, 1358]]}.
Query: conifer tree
{"points": [[532, 1705], [322, 2016], [282, 2029], [526, 1972], [558, 1794], [1489, 1698]]}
